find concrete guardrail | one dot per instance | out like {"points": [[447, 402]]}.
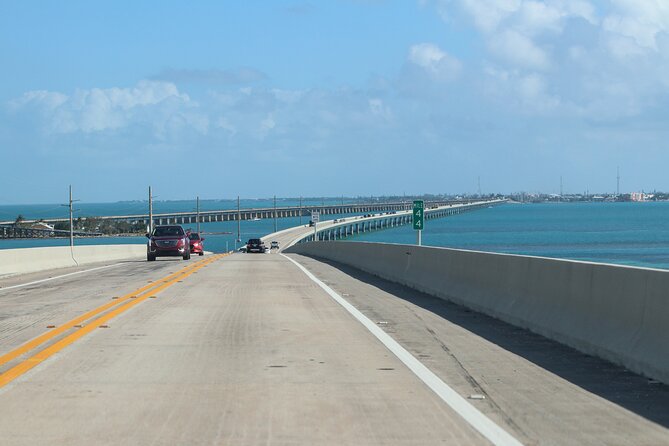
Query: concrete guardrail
{"points": [[27, 260], [618, 313]]}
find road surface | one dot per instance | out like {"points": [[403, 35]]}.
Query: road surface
{"points": [[247, 349]]}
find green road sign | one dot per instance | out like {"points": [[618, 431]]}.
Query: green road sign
{"points": [[418, 214]]}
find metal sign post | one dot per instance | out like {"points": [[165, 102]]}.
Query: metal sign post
{"points": [[418, 218], [315, 218]]}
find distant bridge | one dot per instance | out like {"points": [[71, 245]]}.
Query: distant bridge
{"points": [[263, 213], [346, 227]]}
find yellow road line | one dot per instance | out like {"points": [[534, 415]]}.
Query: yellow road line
{"points": [[66, 326], [77, 321], [41, 356]]}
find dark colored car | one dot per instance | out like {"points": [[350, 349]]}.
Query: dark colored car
{"points": [[196, 243], [168, 240], [255, 245], [274, 245]]}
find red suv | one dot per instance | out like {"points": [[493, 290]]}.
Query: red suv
{"points": [[196, 245], [168, 240]]}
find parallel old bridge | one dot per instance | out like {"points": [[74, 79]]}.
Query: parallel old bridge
{"points": [[262, 213]]}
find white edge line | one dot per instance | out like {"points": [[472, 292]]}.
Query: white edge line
{"points": [[58, 277], [473, 416]]}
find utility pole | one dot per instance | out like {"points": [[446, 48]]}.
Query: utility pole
{"points": [[275, 213], [300, 211], [479, 189], [560, 187], [239, 216], [150, 211], [618, 181], [197, 207], [71, 208], [71, 226]]}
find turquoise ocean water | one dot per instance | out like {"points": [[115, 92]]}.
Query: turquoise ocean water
{"points": [[623, 233], [634, 234]]}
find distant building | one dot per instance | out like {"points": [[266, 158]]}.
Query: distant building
{"points": [[640, 196]]}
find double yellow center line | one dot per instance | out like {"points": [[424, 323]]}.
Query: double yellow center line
{"points": [[122, 304]]}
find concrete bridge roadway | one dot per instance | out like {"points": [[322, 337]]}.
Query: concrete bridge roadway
{"points": [[247, 349]]}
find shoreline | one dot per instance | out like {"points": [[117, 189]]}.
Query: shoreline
{"points": [[75, 237]]}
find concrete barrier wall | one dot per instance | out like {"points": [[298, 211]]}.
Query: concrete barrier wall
{"points": [[615, 312], [27, 260]]}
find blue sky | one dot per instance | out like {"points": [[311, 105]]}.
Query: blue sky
{"points": [[348, 97]]}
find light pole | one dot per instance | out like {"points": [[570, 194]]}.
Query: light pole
{"points": [[197, 210], [275, 213], [69, 205], [71, 226], [150, 211], [239, 216], [300, 211]]}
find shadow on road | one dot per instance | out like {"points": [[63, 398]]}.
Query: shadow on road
{"points": [[616, 384], [159, 259]]}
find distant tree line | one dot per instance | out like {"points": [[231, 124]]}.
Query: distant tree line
{"points": [[107, 227]]}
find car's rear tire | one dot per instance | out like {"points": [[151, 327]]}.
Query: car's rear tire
{"points": [[150, 258], [201, 253], [186, 256]]}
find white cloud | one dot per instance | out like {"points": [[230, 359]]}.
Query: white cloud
{"points": [[225, 124], [519, 50], [488, 14], [436, 62], [267, 124], [100, 109], [513, 28], [49, 100], [533, 91], [597, 59], [288, 96], [533, 16], [528, 93], [536, 17], [640, 20], [582, 9], [622, 47]]}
